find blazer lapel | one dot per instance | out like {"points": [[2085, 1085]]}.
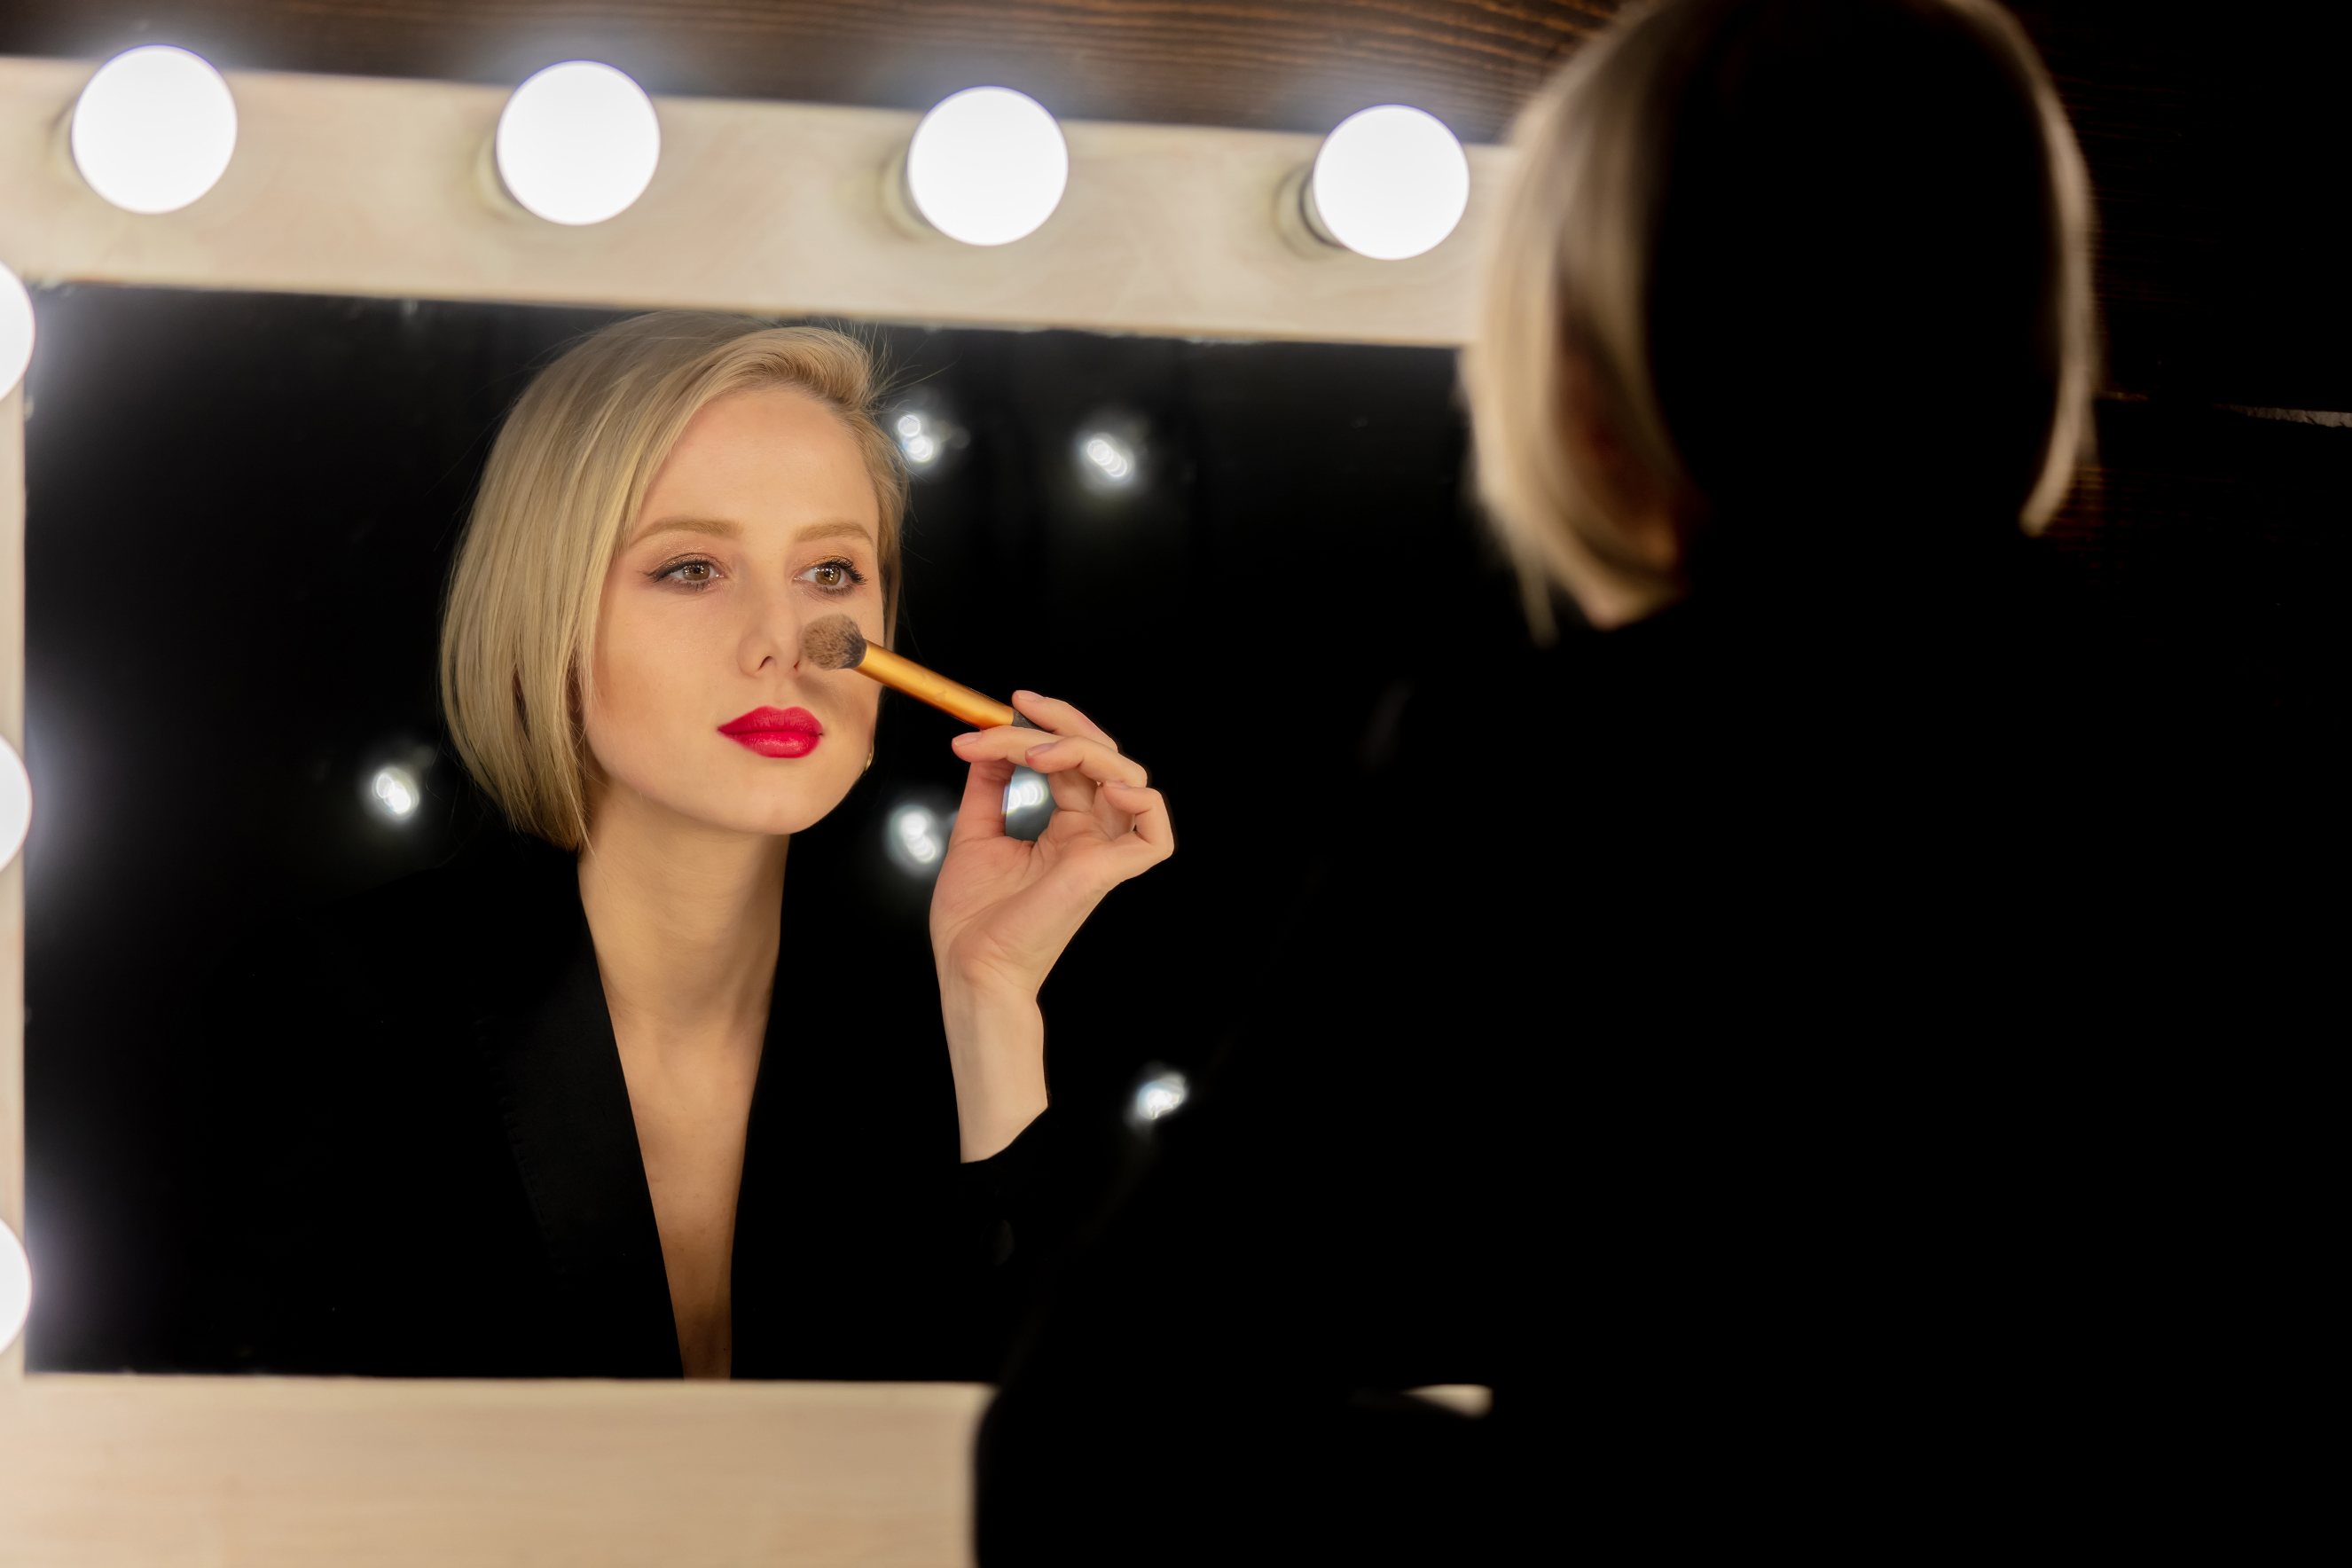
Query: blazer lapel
{"points": [[566, 1108]]}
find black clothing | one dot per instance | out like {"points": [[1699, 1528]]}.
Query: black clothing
{"points": [[1675, 1048], [424, 1161]]}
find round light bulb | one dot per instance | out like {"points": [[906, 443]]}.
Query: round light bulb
{"points": [[16, 329], [1390, 182], [155, 129], [16, 803], [578, 143], [16, 1286], [987, 165]]}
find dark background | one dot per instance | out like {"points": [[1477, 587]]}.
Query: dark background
{"points": [[241, 509]]}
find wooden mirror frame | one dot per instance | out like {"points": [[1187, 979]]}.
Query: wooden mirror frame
{"points": [[357, 186]]}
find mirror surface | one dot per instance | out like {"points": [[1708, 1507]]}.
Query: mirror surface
{"points": [[241, 512]]}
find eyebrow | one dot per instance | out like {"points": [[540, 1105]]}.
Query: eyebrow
{"points": [[718, 528], [844, 529], [714, 527]]}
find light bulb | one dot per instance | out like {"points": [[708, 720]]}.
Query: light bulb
{"points": [[987, 165], [1389, 182], [16, 1286], [16, 329], [16, 803], [155, 129], [578, 143]]}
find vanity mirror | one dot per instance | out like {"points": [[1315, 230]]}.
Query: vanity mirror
{"points": [[1165, 427]]}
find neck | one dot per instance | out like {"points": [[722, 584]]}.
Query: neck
{"points": [[685, 919]]}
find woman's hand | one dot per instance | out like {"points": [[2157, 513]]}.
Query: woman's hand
{"points": [[1004, 908]]}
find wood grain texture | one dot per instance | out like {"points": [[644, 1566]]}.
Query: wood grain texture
{"points": [[1268, 65], [264, 1472]]}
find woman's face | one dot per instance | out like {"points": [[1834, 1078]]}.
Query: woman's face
{"points": [[761, 521]]}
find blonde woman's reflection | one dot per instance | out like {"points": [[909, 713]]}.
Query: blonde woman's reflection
{"points": [[604, 1097]]}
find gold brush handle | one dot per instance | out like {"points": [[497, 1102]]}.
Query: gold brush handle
{"points": [[905, 675]]}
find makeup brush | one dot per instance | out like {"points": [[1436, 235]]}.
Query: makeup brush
{"points": [[835, 643]]}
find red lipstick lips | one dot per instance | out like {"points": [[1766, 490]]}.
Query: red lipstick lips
{"points": [[775, 731]]}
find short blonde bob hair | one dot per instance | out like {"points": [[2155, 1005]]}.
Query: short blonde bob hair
{"points": [[567, 475], [1578, 264]]}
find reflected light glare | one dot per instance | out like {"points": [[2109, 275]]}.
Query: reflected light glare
{"points": [[1390, 182], [987, 165], [916, 839], [1111, 457], [16, 329], [16, 803], [15, 1286], [395, 793], [578, 143], [1023, 793], [910, 425], [155, 129], [1161, 1094]]}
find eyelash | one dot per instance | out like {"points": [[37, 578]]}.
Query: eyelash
{"points": [[847, 567], [669, 570]]}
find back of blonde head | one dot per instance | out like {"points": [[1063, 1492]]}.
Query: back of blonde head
{"points": [[1585, 268], [568, 474]]}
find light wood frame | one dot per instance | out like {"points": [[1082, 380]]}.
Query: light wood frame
{"points": [[347, 185]]}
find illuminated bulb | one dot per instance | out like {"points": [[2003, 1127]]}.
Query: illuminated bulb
{"points": [[16, 803], [916, 839], [1389, 182], [395, 793], [1161, 1094], [987, 165], [578, 143], [16, 1286], [16, 330], [153, 130]]}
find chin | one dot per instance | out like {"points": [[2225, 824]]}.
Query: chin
{"points": [[787, 807]]}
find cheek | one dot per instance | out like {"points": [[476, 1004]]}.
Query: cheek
{"points": [[637, 666]]}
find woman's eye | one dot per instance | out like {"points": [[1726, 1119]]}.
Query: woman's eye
{"points": [[689, 573], [833, 576]]}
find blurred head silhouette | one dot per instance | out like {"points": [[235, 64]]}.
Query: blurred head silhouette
{"points": [[1790, 291]]}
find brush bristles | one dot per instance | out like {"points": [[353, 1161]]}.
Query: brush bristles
{"points": [[834, 643]]}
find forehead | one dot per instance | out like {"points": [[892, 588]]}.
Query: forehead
{"points": [[770, 454]]}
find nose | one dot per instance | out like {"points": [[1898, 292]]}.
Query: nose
{"points": [[772, 631]]}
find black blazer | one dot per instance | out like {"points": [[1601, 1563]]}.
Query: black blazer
{"points": [[421, 1157]]}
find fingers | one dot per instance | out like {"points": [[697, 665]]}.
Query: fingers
{"points": [[1148, 810], [980, 815], [1100, 761], [1059, 717]]}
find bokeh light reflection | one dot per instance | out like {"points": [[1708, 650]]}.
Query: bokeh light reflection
{"points": [[394, 794], [1162, 1093], [916, 839]]}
